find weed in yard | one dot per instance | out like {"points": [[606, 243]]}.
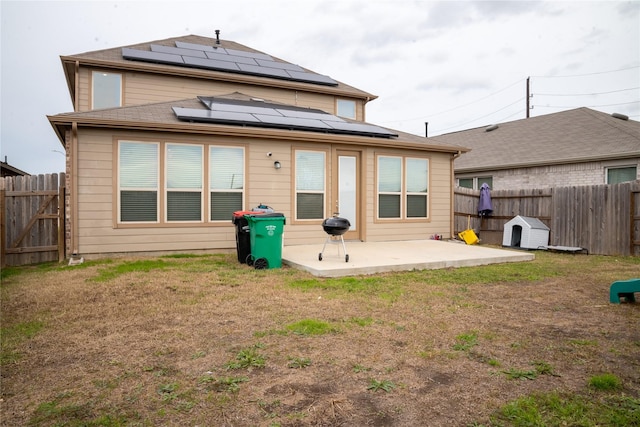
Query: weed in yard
{"points": [[298, 362], [384, 385], [605, 382], [311, 327], [366, 321], [357, 368], [198, 354], [543, 368], [246, 359], [228, 384], [464, 342], [519, 374]]}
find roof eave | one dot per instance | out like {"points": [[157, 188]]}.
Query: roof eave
{"points": [[216, 75], [61, 123], [586, 159]]}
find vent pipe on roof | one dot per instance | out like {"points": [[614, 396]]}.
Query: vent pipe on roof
{"points": [[490, 128], [620, 116], [217, 36], [426, 129]]}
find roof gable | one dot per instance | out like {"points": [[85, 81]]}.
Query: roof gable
{"points": [[204, 61], [571, 136]]}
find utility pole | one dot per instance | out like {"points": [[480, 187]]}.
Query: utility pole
{"points": [[528, 96]]}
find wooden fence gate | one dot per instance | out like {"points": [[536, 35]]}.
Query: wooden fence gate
{"points": [[32, 219]]}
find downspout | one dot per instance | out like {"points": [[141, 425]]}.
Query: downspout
{"points": [[76, 97], [453, 196], [73, 202]]}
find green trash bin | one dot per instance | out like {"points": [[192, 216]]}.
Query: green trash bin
{"points": [[265, 234]]}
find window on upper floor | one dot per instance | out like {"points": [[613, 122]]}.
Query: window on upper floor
{"points": [[106, 90], [346, 108], [621, 174], [403, 187], [310, 184]]}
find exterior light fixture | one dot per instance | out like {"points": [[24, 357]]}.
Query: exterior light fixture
{"points": [[277, 165]]}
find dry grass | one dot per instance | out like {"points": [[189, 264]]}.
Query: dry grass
{"points": [[152, 343]]}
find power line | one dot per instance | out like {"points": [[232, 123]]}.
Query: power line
{"points": [[585, 94], [588, 106], [588, 74], [482, 117]]}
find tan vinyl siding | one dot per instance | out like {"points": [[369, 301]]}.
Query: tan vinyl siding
{"points": [[99, 233], [142, 88]]}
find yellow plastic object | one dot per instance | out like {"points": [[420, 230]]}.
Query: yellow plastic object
{"points": [[469, 237]]}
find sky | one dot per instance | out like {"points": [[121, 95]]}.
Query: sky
{"points": [[454, 64]]}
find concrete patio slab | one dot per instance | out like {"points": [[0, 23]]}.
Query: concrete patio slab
{"points": [[379, 257]]}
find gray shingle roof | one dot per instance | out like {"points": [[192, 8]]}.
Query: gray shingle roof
{"points": [[571, 136], [161, 116], [113, 57]]}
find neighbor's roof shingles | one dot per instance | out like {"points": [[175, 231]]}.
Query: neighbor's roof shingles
{"points": [[571, 136]]}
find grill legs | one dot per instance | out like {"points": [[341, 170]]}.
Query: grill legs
{"points": [[335, 240]]}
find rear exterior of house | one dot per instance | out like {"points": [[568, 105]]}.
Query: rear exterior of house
{"points": [[160, 152]]}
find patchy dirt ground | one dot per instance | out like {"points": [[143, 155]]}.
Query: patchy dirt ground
{"points": [[154, 346]]}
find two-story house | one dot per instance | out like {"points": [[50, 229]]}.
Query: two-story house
{"points": [[169, 138]]}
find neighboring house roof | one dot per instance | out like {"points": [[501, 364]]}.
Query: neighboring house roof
{"points": [[7, 170], [162, 117], [199, 67], [573, 136]]}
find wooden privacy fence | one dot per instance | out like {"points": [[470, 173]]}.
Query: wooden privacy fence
{"points": [[32, 219], [604, 219]]}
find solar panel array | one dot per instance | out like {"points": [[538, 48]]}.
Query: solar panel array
{"points": [[252, 113], [227, 60]]}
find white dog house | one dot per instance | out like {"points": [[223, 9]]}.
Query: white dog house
{"points": [[525, 232]]}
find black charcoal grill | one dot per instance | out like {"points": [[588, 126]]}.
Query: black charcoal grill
{"points": [[335, 227]]}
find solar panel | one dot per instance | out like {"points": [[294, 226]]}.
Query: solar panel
{"points": [[254, 55], [248, 113], [309, 115], [211, 64], [360, 129], [293, 122], [213, 116], [229, 60], [280, 65], [263, 71], [202, 47], [145, 55], [177, 51]]}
